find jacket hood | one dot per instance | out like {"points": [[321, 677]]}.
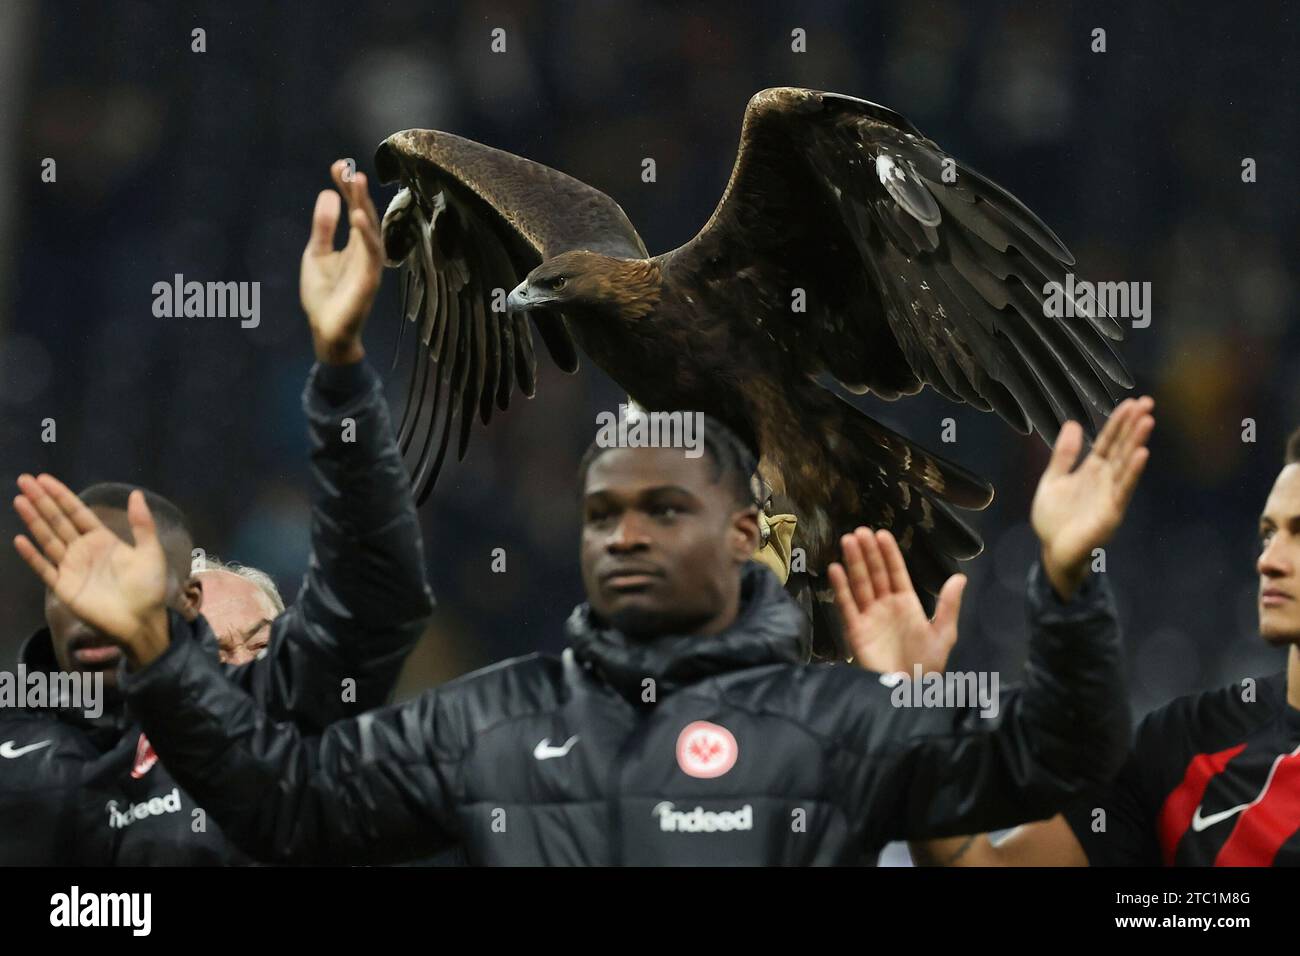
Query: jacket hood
{"points": [[37, 652], [769, 629]]}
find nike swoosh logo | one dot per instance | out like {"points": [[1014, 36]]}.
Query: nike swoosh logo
{"points": [[7, 749], [1200, 823], [544, 750]]}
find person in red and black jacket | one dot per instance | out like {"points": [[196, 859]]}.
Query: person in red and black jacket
{"points": [[1213, 779]]}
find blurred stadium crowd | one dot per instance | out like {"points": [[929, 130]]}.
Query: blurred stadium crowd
{"points": [[207, 164]]}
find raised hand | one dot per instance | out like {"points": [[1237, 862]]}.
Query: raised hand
{"points": [[884, 623], [338, 287], [117, 589], [1077, 510]]}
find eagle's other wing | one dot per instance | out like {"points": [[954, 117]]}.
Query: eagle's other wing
{"points": [[470, 220], [916, 269]]}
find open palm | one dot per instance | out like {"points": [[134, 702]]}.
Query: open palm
{"points": [[106, 582], [337, 286], [1075, 511], [884, 624]]}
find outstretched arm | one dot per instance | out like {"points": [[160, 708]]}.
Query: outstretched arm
{"points": [[364, 600], [1067, 729], [277, 794], [371, 789]]}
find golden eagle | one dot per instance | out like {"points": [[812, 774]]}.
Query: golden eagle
{"points": [[912, 269]]}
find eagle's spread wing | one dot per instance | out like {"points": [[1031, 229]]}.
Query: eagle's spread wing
{"points": [[470, 220], [916, 269]]}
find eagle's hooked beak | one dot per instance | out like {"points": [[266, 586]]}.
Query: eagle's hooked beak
{"points": [[521, 297]]}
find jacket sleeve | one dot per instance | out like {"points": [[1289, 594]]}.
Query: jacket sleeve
{"points": [[364, 601], [371, 789], [1132, 801], [932, 771]]}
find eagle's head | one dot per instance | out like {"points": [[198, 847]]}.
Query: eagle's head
{"points": [[588, 284]]}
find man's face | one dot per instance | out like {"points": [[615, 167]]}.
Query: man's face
{"points": [[663, 542], [80, 647], [240, 614], [1279, 560]]}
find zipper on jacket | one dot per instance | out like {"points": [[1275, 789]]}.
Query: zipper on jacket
{"points": [[642, 716]]}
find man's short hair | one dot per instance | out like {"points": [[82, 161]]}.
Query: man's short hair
{"points": [[1293, 448], [173, 526], [733, 460], [257, 576]]}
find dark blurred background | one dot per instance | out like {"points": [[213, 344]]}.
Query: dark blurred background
{"points": [[207, 164]]}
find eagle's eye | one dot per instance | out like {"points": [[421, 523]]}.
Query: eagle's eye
{"points": [[557, 283]]}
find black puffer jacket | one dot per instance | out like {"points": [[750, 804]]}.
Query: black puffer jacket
{"points": [[720, 749], [86, 791]]}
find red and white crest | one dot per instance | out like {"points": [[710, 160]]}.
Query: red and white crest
{"points": [[706, 750], [145, 758]]}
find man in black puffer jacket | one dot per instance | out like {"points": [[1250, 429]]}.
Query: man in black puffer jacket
{"points": [[681, 725], [83, 785]]}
